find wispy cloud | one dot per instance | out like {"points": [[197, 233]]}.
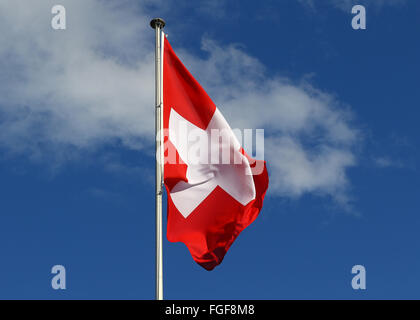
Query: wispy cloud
{"points": [[386, 162], [91, 86]]}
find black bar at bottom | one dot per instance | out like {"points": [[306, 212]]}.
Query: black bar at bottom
{"points": [[205, 309]]}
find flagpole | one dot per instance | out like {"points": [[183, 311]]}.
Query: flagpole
{"points": [[158, 24]]}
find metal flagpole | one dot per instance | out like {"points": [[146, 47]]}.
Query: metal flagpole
{"points": [[158, 25]]}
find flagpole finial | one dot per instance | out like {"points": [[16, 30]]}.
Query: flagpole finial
{"points": [[157, 22]]}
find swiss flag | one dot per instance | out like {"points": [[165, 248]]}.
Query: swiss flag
{"points": [[215, 190]]}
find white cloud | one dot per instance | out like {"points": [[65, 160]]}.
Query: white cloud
{"points": [[91, 85], [301, 170], [309, 139], [86, 85]]}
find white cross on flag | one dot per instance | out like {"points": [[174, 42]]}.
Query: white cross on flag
{"points": [[215, 190]]}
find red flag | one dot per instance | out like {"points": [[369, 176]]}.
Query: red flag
{"points": [[214, 188]]}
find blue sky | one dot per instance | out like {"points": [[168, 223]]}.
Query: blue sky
{"points": [[340, 112]]}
